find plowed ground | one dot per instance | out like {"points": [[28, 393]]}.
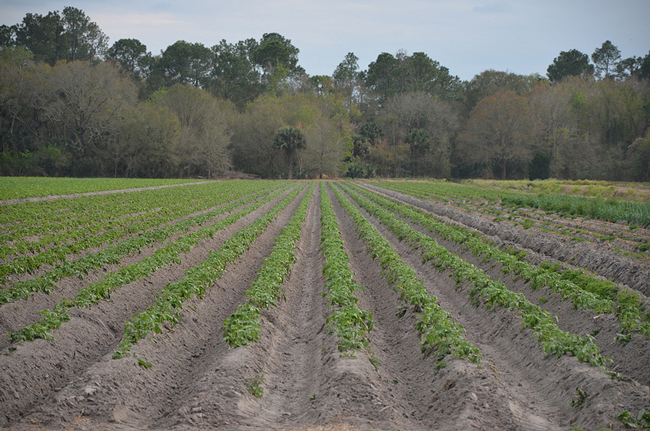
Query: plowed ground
{"points": [[197, 382]]}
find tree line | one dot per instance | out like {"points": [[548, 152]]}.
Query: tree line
{"points": [[71, 105]]}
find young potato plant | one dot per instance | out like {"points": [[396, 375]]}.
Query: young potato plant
{"points": [[494, 293], [582, 290], [114, 253], [169, 303], [102, 289], [439, 333], [350, 323], [244, 325]]}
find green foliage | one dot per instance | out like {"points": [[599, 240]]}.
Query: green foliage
{"points": [[641, 421], [609, 210], [168, 304], [254, 385], [582, 290], [350, 323], [493, 293], [439, 333], [102, 289], [244, 325], [569, 63]]}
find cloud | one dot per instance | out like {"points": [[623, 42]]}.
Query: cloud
{"points": [[494, 7]]}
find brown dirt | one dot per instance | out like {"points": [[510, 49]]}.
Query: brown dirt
{"points": [[197, 382], [630, 272]]}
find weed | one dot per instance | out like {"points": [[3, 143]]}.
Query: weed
{"points": [[254, 385], [580, 398]]}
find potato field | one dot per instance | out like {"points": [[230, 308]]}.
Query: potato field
{"points": [[324, 305]]}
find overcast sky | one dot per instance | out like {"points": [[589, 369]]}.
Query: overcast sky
{"points": [[467, 36]]}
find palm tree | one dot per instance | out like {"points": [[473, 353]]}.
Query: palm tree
{"points": [[289, 139]]}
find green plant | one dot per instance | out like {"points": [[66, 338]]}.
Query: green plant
{"points": [[580, 398], [254, 385], [641, 421]]}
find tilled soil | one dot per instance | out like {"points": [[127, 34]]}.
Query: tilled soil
{"points": [[197, 382], [628, 271]]}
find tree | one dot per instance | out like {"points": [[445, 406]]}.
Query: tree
{"points": [[84, 39], [491, 81], [69, 36], [130, 55], [569, 63], [88, 102], [273, 51], [640, 153], [186, 63], [148, 143], [419, 141], [289, 140], [644, 68], [204, 133], [43, 36], [383, 76], [498, 133], [346, 77], [233, 75], [606, 59]]}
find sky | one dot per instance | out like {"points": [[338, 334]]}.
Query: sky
{"points": [[466, 36]]}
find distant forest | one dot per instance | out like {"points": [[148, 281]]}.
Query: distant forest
{"points": [[71, 104]]}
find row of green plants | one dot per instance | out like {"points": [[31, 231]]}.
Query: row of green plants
{"points": [[584, 291], [29, 187], [350, 323], [76, 234], [440, 334], [102, 289], [42, 219], [490, 293], [114, 253], [74, 241], [99, 225], [442, 190], [35, 218], [244, 325], [611, 210], [168, 305]]}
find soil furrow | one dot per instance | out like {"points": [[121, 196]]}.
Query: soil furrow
{"points": [[540, 384], [628, 271], [38, 369]]}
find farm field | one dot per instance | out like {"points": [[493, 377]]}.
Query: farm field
{"points": [[33, 187], [323, 305]]}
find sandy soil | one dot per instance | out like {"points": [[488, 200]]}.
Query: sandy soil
{"points": [[197, 382]]}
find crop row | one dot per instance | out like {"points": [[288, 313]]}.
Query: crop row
{"points": [[29, 219], [114, 253], [350, 323], [501, 203], [583, 291], [169, 302], [244, 325], [438, 331], [102, 289], [108, 225], [494, 293]]}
